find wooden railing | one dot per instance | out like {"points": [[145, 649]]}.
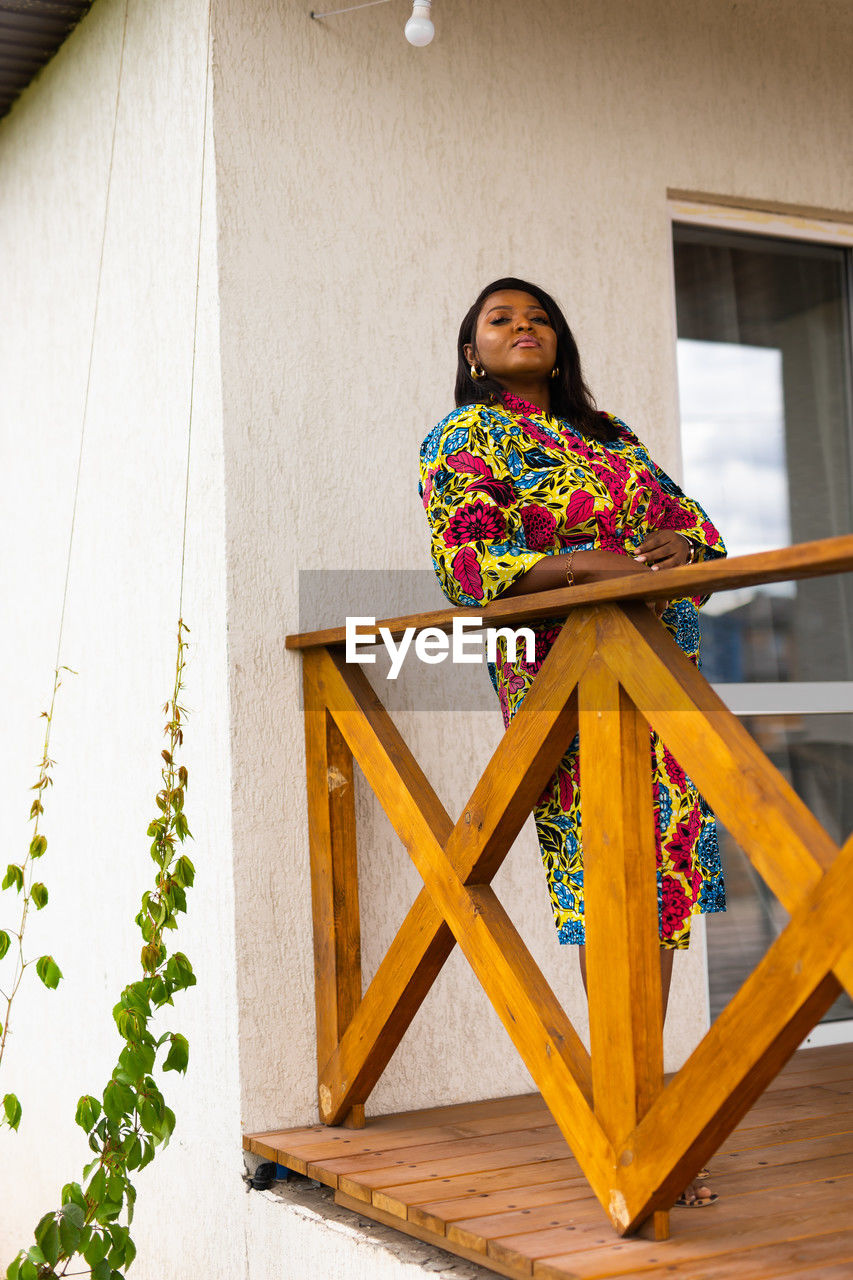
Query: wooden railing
{"points": [[612, 672]]}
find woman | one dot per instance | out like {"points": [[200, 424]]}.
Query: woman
{"points": [[527, 487]]}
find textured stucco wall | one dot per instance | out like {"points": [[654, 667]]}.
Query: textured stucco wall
{"points": [[122, 607], [366, 191]]}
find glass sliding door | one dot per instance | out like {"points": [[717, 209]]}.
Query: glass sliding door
{"points": [[764, 367]]}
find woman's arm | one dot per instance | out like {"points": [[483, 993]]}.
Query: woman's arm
{"points": [[586, 566]]}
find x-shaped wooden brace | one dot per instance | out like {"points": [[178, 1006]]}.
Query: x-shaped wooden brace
{"points": [[612, 671]]}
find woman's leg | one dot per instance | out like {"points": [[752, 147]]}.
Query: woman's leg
{"points": [[666, 955]]}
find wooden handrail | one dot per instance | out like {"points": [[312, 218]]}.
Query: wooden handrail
{"points": [[612, 673], [805, 560]]}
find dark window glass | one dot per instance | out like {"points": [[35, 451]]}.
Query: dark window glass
{"points": [[764, 376], [815, 754]]}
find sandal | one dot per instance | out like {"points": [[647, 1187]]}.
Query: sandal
{"points": [[690, 1199]]}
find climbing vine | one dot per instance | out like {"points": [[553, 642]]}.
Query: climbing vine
{"points": [[32, 893], [130, 1119]]}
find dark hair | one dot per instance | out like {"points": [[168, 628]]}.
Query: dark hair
{"points": [[570, 396]]}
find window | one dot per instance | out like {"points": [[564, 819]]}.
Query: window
{"points": [[764, 366]]}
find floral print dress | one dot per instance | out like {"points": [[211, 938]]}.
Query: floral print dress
{"points": [[504, 485]]}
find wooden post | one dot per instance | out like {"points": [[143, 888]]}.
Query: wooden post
{"points": [[623, 953], [334, 875]]}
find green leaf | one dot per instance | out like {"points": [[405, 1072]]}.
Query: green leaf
{"points": [[166, 1127], [160, 993], [119, 1100], [185, 871], [133, 1152], [129, 1253], [29, 1270], [137, 1060], [150, 1113], [129, 1024], [47, 1235], [38, 844], [49, 971], [101, 1270], [5, 943], [96, 1250], [119, 1236], [39, 895], [88, 1111], [96, 1188], [179, 898], [178, 1055], [13, 1270], [12, 1110], [179, 971], [70, 1234], [14, 876], [74, 1214], [72, 1194]]}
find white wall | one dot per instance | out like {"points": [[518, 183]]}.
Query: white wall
{"points": [[122, 606], [367, 190]]}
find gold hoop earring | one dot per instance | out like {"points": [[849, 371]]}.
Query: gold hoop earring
{"points": [[477, 372], [555, 372]]}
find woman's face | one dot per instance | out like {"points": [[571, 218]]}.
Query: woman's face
{"points": [[513, 338]]}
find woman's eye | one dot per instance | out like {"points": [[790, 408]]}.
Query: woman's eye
{"points": [[499, 319], [543, 319]]}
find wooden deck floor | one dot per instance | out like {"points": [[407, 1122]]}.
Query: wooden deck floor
{"points": [[493, 1182]]}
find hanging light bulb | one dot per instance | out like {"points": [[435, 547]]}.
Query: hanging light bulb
{"points": [[419, 30]]}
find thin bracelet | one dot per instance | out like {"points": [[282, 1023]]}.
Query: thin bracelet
{"points": [[691, 549], [570, 577]]}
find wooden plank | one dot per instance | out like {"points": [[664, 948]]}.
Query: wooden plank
{"points": [[456, 1145], [334, 874], [802, 1100], [744, 1139], [805, 560], [507, 1157], [475, 1184], [781, 837], [421, 1233], [387, 1149], [479, 1232], [788, 1153], [817, 1257], [734, 1228], [457, 1211], [503, 797], [315, 1141], [622, 951]]}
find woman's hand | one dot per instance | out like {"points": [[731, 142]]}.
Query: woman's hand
{"points": [[664, 549]]}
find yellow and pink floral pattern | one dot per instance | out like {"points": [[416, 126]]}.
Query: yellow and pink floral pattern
{"points": [[504, 485]]}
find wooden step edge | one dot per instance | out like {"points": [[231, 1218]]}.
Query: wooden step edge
{"points": [[285, 1158], [429, 1221], [354, 1190], [321, 1174], [467, 1238], [388, 1204], [377, 1214]]}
